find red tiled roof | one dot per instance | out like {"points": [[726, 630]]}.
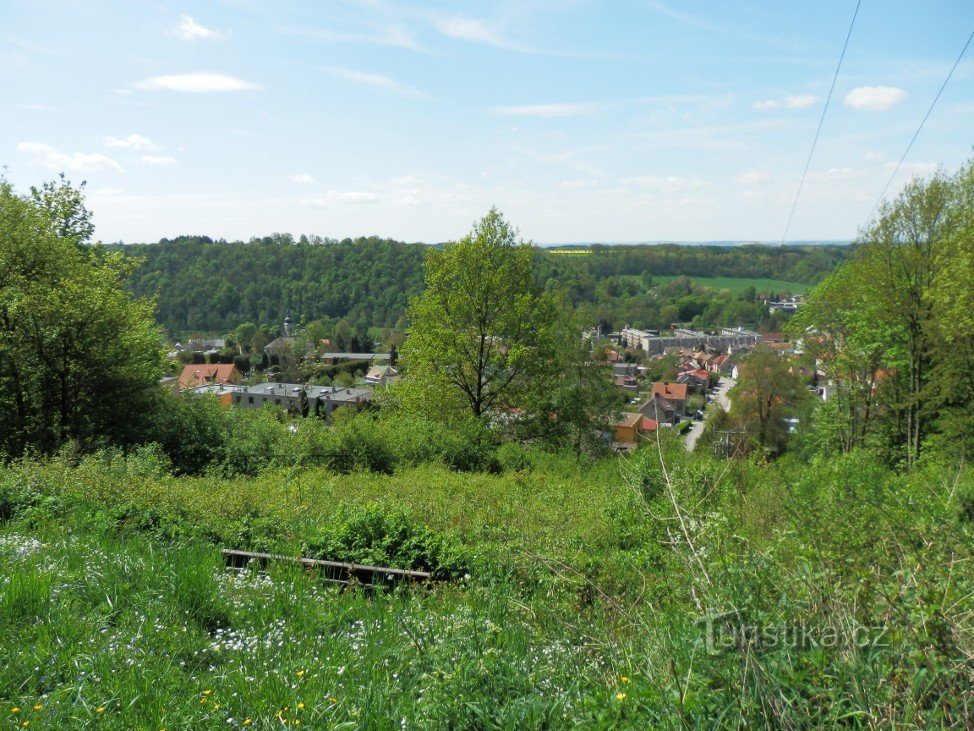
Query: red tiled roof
{"points": [[670, 390], [200, 374], [648, 424]]}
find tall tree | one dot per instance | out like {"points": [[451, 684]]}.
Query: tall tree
{"points": [[488, 338], [766, 393], [79, 356]]}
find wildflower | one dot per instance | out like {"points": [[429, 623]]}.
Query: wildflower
{"points": [[25, 724], [300, 673], [38, 707], [207, 692], [620, 696], [624, 678], [333, 700], [248, 721], [100, 709], [300, 706]]}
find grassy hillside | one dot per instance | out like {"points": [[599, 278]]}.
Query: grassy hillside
{"points": [[612, 594], [736, 285]]}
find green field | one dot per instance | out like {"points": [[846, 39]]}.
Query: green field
{"points": [[737, 285]]}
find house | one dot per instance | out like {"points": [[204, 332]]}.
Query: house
{"points": [[628, 384], [696, 381], [381, 375], [668, 404], [195, 375], [223, 392], [298, 398], [170, 383], [627, 428], [673, 395], [632, 426]]}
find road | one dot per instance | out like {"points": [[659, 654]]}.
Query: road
{"points": [[696, 428]]}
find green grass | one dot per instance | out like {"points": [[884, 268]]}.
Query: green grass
{"points": [[580, 602], [737, 285]]}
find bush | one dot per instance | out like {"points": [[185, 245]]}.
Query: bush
{"points": [[373, 534]]}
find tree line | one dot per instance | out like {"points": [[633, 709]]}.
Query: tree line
{"points": [[202, 285]]}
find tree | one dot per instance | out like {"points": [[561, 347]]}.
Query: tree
{"points": [[486, 339], [80, 358], [766, 393]]}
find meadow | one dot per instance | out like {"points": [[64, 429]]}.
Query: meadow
{"points": [[737, 285], [568, 593]]}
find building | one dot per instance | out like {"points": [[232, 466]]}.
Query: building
{"points": [[667, 405], [195, 375], [381, 375], [222, 392], [297, 398], [632, 426]]}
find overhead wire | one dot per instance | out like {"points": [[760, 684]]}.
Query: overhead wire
{"points": [[920, 128], [821, 121]]}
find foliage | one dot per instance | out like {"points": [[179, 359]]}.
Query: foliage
{"points": [[483, 334], [891, 327], [79, 356]]}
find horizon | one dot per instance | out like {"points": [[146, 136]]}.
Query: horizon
{"points": [[649, 122]]}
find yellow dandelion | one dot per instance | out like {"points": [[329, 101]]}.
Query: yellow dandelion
{"points": [[15, 709], [202, 701], [100, 709], [207, 692], [300, 705], [25, 724], [333, 700], [624, 678], [38, 707], [248, 721], [300, 673], [620, 696]]}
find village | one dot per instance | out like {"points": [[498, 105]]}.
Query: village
{"points": [[665, 379]]}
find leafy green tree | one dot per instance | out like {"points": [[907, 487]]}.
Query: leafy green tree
{"points": [[767, 392], [486, 339], [80, 358]]}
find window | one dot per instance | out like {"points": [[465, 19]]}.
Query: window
{"points": [[250, 399]]}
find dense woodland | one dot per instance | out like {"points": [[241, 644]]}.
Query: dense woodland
{"points": [[203, 285]]}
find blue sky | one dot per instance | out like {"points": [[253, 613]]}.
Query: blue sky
{"points": [[582, 121]]}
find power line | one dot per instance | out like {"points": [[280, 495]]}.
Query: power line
{"points": [[923, 122], [821, 120]]}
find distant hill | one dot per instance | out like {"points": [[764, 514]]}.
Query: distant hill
{"points": [[207, 285]]}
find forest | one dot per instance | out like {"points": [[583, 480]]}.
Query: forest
{"points": [[202, 285]]}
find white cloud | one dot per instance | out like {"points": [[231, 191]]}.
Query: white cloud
{"points": [[50, 157], [546, 110], [834, 175], [800, 101], [133, 142], [791, 101], [157, 160], [334, 197], [37, 107], [376, 81], [666, 184], [477, 30], [195, 83], [873, 156], [914, 168], [301, 178], [189, 30], [874, 98], [752, 177], [468, 29]]}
